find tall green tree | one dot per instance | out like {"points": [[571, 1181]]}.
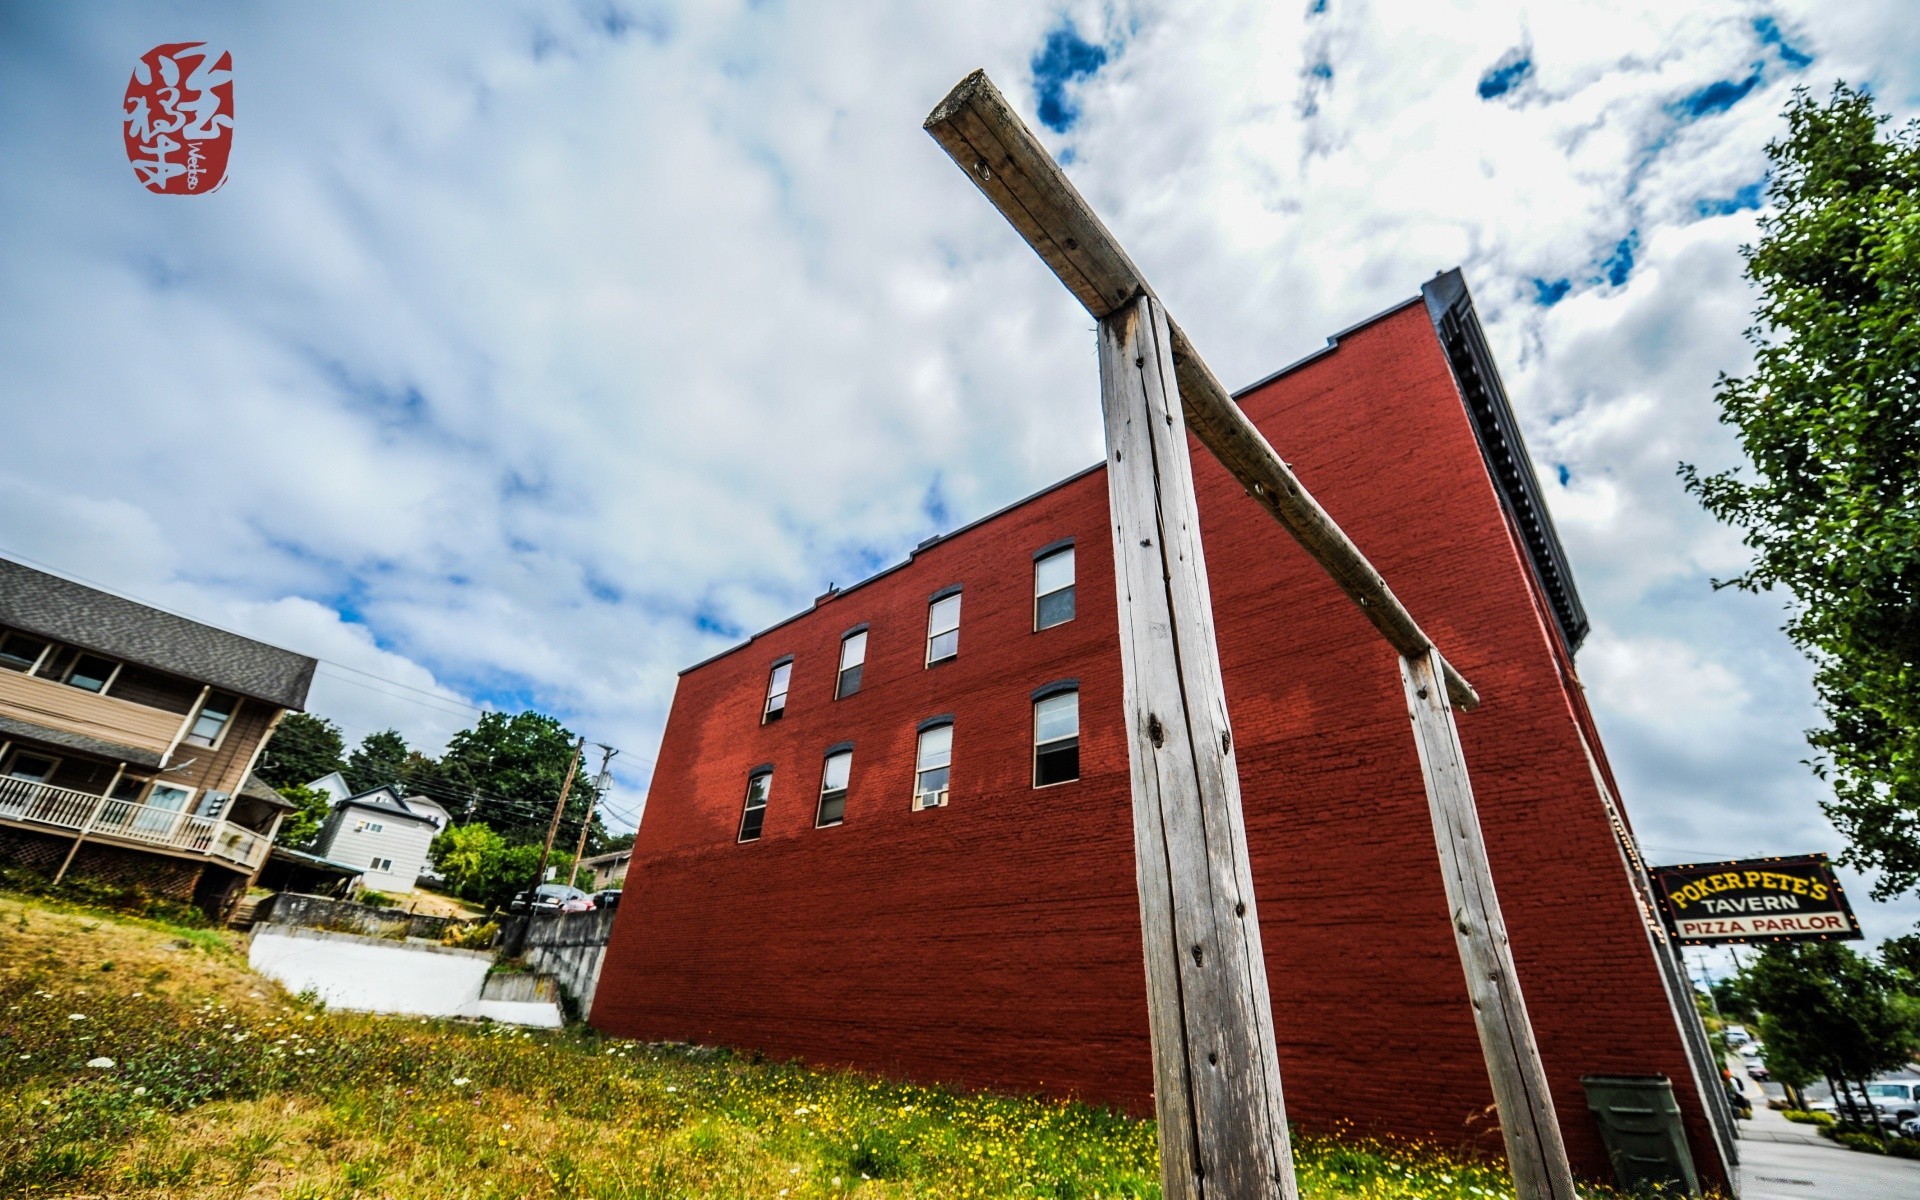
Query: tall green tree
{"points": [[303, 748], [380, 758], [512, 767], [1829, 418], [1827, 1011]]}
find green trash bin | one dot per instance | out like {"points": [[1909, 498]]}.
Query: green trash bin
{"points": [[1640, 1124]]}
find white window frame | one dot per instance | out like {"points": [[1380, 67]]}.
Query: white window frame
{"points": [[46, 648], [747, 806], [1038, 745], [847, 639], [826, 767], [768, 713], [1072, 585], [67, 676], [933, 607], [923, 799], [226, 726], [53, 770]]}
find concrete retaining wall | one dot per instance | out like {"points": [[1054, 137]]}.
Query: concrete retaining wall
{"points": [[570, 947], [370, 974], [344, 916]]}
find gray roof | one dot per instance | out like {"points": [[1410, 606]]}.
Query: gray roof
{"points": [[120, 628], [11, 727], [383, 800], [302, 858], [256, 788]]}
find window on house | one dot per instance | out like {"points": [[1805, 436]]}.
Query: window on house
{"points": [[35, 768], [833, 788], [1056, 737], [127, 789], [91, 673], [20, 651], [933, 768], [777, 691], [943, 627], [213, 719], [755, 813], [1053, 588], [380, 864], [368, 827], [853, 656]]}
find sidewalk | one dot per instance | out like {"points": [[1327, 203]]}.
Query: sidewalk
{"points": [[1780, 1160]]}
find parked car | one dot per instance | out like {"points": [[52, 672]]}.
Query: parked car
{"points": [[607, 899], [1757, 1070], [552, 897], [1894, 1102]]}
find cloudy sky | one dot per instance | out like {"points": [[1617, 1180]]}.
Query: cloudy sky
{"points": [[534, 351]]}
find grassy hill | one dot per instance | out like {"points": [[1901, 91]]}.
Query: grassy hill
{"points": [[139, 1058]]}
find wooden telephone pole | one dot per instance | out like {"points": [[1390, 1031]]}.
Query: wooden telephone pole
{"points": [[1216, 1073], [559, 807]]}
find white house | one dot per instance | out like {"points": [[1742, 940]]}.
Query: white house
{"points": [[383, 832]]}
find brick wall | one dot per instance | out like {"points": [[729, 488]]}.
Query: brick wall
{"points": [[995, 943]]}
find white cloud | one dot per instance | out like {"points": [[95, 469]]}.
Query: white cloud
{"points": [[539, 348]]}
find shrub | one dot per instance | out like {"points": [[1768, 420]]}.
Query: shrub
{"points": [[1805, 1117], [373, 899], [475, 936]]}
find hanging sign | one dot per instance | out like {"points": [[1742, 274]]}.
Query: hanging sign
{"points": [[177, 118], [1755, 900]]}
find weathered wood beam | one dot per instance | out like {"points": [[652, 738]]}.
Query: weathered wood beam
{"points": [[1223, 1127], [1535, 1153], [988, 140]]}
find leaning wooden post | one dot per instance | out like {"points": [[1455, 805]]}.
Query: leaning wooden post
{"points": [[1223, 1128], [1535, 1153]]}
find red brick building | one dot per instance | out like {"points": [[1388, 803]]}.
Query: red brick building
{"points": [[992, 940]]}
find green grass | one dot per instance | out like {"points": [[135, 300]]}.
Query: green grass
{"points": [[222, 1086]]}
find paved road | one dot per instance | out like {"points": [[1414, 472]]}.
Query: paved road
{"points": [[1780, 1160], [1793, 1171]]}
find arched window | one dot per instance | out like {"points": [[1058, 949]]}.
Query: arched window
{"points": [[853, 656], [933, 764], [943, 626], [777, 681], [1056, 733], [1053, 585], [833, 786], [754, 814]]}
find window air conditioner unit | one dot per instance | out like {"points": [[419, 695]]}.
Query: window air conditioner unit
{"points": [[928, 800]]}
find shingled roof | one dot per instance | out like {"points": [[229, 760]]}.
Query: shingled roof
{"points": [[74, 613]]}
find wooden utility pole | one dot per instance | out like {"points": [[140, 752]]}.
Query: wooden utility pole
{"points": [[559, 807], [1216, 1071], [606, 757], [1528, 1125], [1222, 1123]]}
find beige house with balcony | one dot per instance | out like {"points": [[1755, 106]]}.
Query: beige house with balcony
{"points": [[128, 738]]}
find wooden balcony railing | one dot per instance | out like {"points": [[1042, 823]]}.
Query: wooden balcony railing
{"points": [[23, 802]]}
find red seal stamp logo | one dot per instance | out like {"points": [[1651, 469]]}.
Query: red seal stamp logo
{"points": [[178, 119]]}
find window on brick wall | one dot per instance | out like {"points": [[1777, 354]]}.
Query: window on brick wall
{"points": [[833, 787], [853, 656], [754, 813], [1056, 734], [933, 764], [943, 626], [1053, 587], [776, 706]]}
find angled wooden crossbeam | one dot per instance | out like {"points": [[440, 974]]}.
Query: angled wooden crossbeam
{"points": [[1217, 1092], [988, 140]]}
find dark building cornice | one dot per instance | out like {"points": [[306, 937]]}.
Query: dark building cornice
{"points": [[1501, 445]]}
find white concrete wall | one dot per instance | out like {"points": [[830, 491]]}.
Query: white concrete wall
{"points": [[377, 975]]}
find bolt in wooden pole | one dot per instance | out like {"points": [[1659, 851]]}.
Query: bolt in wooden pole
{"points": [[1535, 1153], [1223, 1128]]}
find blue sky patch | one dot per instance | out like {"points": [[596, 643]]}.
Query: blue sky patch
{"points": [[1514, 68], [1619, 265], [1547, 294], [1063, 58], [1747, 197], [1717, 97], [1770, 35]]}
